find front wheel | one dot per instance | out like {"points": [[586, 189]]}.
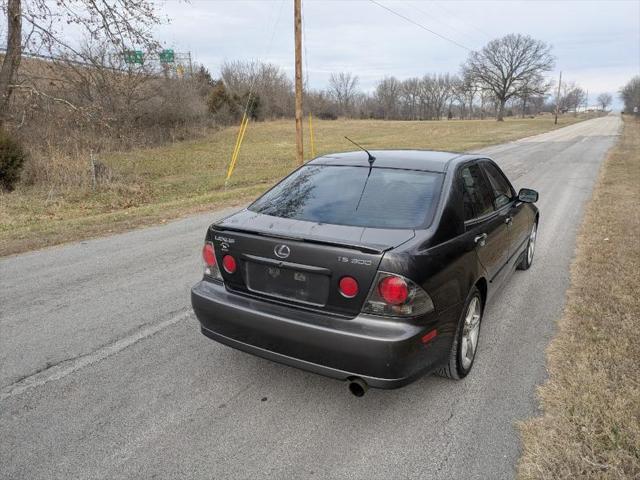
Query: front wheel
{"points": [[527, 258], [465, 343]]}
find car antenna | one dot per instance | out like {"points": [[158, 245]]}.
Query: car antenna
{"points": [[371, 160], [371, 157]]}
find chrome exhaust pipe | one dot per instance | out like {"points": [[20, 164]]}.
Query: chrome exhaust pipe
{"points": [[357, 386]]}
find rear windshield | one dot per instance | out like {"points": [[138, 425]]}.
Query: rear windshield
{"points": [[343, 195]]}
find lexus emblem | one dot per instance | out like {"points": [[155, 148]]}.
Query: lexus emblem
{"points": [[282, 251]]}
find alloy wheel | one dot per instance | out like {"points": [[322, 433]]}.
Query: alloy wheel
{"points": [[470, 331], [532, 243]]}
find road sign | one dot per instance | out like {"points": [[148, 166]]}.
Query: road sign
{"points": [[133, 56], [167, 56]]}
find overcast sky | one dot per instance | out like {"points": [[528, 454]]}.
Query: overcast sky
{"points": [[597, 43]]}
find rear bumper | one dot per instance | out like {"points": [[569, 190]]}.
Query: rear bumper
{"points": [[385, 353]]}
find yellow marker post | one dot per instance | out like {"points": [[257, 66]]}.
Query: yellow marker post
{"points": [[236, 150], [313, 147], [235, 147]]}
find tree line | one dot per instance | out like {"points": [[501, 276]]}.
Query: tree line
{"points": [[93, 84], [89, 97], [506, 77]]}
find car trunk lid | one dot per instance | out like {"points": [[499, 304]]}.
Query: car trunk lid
{"points": [[301, 262]]}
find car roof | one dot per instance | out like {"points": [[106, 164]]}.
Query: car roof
{"points": [[426, 160]]}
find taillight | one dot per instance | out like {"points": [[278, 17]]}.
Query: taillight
{"points": [[394, 290], [348, 287], [396, 296], [208, 255], [210, 265], [229, 264]]}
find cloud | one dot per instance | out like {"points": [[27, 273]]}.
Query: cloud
{"points": [[597, 43]]}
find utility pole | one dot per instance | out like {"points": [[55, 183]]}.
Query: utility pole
{"points": [[297, 14], [586, 102], [558, 99]]}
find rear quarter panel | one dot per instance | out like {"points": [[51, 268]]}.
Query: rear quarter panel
{"points": [[442, 259]]}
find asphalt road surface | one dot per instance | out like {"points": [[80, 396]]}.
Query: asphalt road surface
{"points": [[104, 373]]}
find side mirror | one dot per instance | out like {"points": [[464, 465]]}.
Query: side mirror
{"points": [[527, 195]]}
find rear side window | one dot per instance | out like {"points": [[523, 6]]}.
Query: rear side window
{"points": [[358, 196], [477, 194], [503, 194]]}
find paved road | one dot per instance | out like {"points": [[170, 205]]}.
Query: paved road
{"points": [[104, 374]]}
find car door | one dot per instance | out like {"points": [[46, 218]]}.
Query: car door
{"points": [[486, 226], [506, 200]]}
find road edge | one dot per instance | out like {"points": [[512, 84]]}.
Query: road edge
{"points": [[590, 402]]}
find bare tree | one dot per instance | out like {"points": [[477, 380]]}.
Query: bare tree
{"points": [[465, 90], [604, 100], [320, 103], [125, 24], [630, 95], [388, 95], [343, 86], [571, 97], [13, 54], [76, 107], [536, 104], [509, 65], [537, 86], [436, 90], [486, 97], [410, 96], [265, 81]]}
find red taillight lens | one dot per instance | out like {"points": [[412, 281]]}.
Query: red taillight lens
{"points": [[208, 255], [211, 269], [229, 264], [393, 295], [348, 287], [394, 290]]}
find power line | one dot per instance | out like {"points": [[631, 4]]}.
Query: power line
{"points": [[421, 26], [267, 50], [441, 7], [245, 116], [440, 21]]}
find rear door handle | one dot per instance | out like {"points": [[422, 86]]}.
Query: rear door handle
{"points": [[481, 239]]}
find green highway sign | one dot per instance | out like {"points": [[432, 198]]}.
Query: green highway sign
{"points": [[167, 56], [133, 56]]}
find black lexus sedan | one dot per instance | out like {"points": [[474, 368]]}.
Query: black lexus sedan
{"points": [[373, 268]]}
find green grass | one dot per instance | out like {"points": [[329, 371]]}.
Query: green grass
{"points": [[157, 184]]}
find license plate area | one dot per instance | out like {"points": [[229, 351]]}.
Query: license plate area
{"points": [[287, 283]]}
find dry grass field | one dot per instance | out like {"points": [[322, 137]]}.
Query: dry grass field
{"points": [[591, 423], [153, 185]]}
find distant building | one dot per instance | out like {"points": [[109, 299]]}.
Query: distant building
{"points": [[589, 108]]}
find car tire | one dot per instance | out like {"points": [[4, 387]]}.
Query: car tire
{"points": [[468, 330], [527, 257]]}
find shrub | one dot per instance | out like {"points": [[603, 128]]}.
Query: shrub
{"points": [[253, 105], [218, 97], [227, 108], [327, 115], [12, 158]]}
